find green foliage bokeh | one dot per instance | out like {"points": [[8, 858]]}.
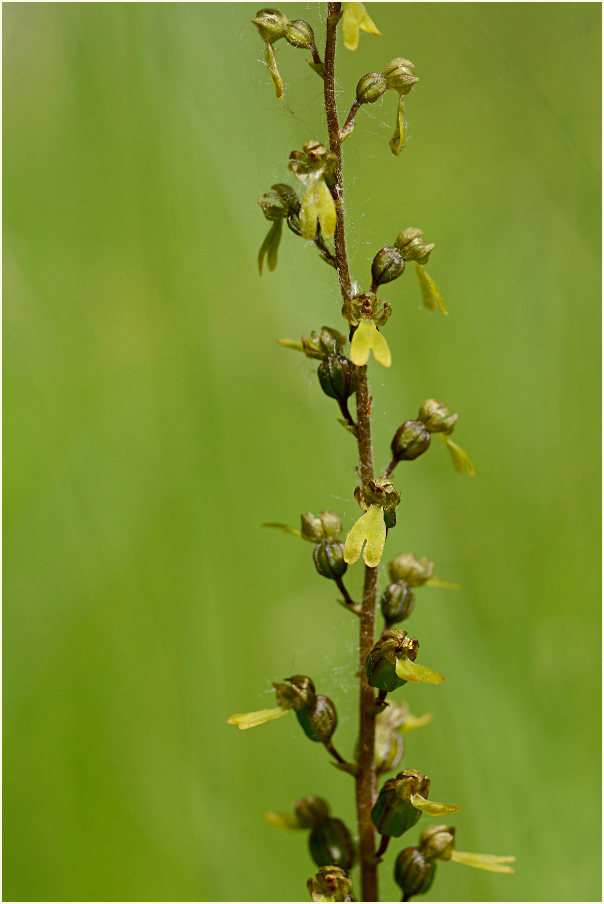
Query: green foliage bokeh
{"points": [[152, 423]]}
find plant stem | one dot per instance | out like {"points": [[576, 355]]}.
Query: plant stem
{"points": [[366, 781]]}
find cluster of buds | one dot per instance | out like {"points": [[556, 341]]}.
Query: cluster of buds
{"points": [[415, 867], [413, 437], [330, 842], [378, 498], [273, 25], [324, 532], [406, 571], [397, 75]]}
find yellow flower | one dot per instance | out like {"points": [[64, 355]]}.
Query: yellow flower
{"points": [[368, 535], [412, 671], [317, 204], [367, 337], [356, 19], [461, 460]]}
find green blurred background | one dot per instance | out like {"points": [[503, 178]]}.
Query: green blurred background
{"points": [[152, 423]]}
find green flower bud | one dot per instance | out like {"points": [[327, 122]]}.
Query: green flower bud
{"points": [[398, 75], [437, 842], [311, 811], [388, 265], [397, 602], [407, 567], [389, 748], [337, 377], [371, 87], [412, 246], [322, 345], [298, 33], [331, 844], [320, 720], [393, 813], [270, 23], [436, 417], [381, 662], [332, 525], [329, 559], [299, 696], [312, 527], [410, 441], [331, 883], [413, 873]]}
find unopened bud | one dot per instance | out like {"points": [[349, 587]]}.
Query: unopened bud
{"points": [[311, 811], [329, 559], [298, 694], [398, 74], [413, 873], [407, 567], [337, 377], [412, 246], [388, 264], [410, 441], [437, 842], [270, 23], [331, 844], [436, 417], [320, 720], [381, 662], [370, 88], [393, 813], [331, 883], [298, 33], [312, 527], [322, 345], [397, 602]]}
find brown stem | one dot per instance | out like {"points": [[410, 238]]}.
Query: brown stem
{"points": [[343, 403], [366, 781], [391, 466]]}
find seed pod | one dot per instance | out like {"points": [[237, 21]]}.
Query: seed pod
{"points": [[298, 33], [407, 567], [398, 74], [413, 873], [311, 811], [388, 265], [336, 376], [270, 23], [397, 602], [319, 721], [329, 559], [371, 87], [436, 417], [331, 843], [410, 441], [393, 812], [381, 662]]}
